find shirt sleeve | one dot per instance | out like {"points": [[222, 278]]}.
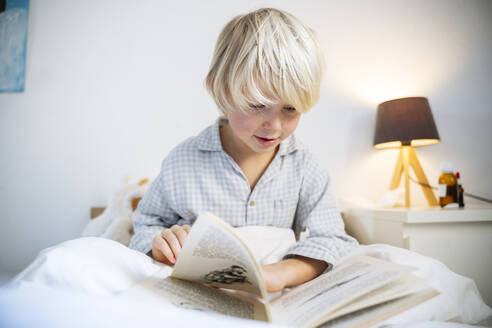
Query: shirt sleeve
{"points": [[317, 212], [155, 210]]}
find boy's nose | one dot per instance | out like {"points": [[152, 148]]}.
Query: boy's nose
{"points": [[272, 122]]}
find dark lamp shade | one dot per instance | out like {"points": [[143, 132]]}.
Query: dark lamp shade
{"points": [[405, 121]]}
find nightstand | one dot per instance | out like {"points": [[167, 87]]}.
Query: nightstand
{"points": [[460, 238]]}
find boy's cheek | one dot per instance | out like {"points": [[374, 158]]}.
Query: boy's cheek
{"points": [[290, 125], [242, 124]]}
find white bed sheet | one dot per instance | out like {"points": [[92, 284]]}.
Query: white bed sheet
{"points": [[85, 275]]}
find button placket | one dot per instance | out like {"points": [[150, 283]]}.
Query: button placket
{"points": [[251, 208]]}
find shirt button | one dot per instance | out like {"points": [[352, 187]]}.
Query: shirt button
{"points": [[252, 203]]}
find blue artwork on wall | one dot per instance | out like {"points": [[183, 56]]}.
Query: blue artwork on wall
{"points": [[13, 36]]}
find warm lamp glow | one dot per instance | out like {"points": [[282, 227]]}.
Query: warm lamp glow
{"points": [[396, 62], [413, 143], [424, 142], [391, 144]]}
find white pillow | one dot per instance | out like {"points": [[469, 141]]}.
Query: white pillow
{"points": [[91, 264], [268, 244]]}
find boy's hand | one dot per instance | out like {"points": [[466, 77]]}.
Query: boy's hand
{"points": [[291, 272], [273, 274], [167, 245]]}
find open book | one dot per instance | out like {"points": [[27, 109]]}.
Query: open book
{"points": [[216, 271]]}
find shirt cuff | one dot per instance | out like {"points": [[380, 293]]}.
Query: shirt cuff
{"points": [[142, 240], [313, 250]]}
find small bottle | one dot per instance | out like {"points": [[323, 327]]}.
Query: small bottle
{"points": [[448, 186], [461, 191]]}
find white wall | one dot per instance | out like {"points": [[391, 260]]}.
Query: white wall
{"points": [[112, 86]]}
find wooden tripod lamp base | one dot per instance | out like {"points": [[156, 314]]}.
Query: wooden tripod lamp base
{"points": [[406, 159]]}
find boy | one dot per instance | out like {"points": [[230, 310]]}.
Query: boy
{"points": [[248, 168]]}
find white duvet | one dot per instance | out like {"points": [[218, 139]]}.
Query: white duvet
{"points": [[77, 283]]}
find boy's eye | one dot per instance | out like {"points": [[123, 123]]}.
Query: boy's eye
{"points": [[289, 108], [256, 106]]}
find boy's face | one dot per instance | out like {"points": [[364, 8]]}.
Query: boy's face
{"points": [[262, 128]]}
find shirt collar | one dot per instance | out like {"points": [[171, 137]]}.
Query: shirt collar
{"points": [[209, 140], [288, 146]]}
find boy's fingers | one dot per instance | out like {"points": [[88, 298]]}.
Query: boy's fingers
{"points": [[181, 233], [172, 241], [163, 247], [186, 227], [158, 255]]}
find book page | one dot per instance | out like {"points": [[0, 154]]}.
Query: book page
{"points": [[195, 296], [310, 302], [408, 284], [342, 273], [215, 255], [368, 317]]}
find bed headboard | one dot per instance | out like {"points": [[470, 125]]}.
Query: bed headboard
{"points": [[96, 211]]}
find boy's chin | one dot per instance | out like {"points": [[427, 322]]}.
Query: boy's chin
{"points": [[265, 149]]}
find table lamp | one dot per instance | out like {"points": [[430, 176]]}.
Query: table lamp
{"points": [[406, 123]]}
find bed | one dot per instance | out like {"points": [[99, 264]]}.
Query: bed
{"points": [[80, 283]]}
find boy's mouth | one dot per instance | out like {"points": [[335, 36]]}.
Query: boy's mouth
{"points": [[266, 141]]}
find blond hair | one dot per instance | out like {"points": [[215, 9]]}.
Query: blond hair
{"points": [[264, 57]]}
